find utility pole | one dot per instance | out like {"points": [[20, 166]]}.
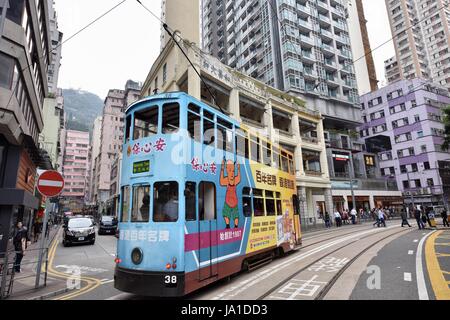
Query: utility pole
{"points": [[411, 193], [352, 177]]}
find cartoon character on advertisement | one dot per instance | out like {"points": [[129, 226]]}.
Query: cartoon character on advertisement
{"points": [[231, 181], [287, 227]]}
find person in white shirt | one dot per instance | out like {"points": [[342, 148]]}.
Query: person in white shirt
{"points": [[337, 218], [353, 213], [381, 218]]}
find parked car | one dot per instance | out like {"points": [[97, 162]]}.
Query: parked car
{"points": [[78, 230], [108, 225]]}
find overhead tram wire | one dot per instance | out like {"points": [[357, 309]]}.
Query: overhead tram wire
{"points": [[172, 35], [446, 3], [56, 47]]}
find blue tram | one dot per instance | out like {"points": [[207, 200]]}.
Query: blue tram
{"points": [[202, 198]]}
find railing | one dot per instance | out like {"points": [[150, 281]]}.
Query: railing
{"points": [[7, 268]]}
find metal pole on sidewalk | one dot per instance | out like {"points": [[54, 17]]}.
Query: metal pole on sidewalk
{"points": [[42, 247]]}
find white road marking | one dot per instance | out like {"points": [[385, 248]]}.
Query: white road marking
{"points": [[407, 276], [122, 296], [421, 286], [416, 240], [107, 281], [411, 252]]}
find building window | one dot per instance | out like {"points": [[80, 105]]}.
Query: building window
{"points": [[430, 182], [6, 71], [426, 165], [406, 184]]}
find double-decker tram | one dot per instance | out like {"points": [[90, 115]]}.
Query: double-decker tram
{"points": [[201, 198]]}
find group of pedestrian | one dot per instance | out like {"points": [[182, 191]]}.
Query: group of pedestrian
{"points": [[380, 216], [428, 216]]}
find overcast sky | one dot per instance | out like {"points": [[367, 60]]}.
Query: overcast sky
{"points": [[124, 44]]}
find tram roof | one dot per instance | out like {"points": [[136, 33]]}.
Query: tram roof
{"points": [[178, 95]]}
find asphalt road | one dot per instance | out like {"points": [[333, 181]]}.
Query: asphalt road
{"points": [[95, 263], [396, 258]]}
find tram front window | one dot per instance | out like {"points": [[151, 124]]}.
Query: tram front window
{"points": [[171, 118], [165, 202], [141, 204], [146, 123]]}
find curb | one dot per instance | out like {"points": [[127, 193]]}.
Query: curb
{"points": [[51, 294]]}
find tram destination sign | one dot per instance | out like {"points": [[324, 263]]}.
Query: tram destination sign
{"points": [[141, 167]]}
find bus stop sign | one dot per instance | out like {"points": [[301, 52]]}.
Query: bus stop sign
{"points": [[50, 184]]}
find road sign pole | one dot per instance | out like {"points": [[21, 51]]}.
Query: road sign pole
{"points": [[41, 249], [50, 184]]}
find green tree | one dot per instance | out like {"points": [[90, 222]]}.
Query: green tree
{"points": [[446, 111]]}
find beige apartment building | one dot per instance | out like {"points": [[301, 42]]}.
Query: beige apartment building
{"points": [[421, 38]]}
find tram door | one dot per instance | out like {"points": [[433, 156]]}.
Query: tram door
{"points": [[208, 249], [297, 224]]}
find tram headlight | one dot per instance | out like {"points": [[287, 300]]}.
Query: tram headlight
{"points": [[137, 256]]}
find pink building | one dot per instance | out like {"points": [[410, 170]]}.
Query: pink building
{"points": [[76, 166]]}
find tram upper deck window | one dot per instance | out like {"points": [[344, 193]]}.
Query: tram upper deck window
{"points": [[141, 204], [146, 123], [189, 197], [291, 164], [242, 148], [284, 162], [165, 202], [247, 202], [125, 204], [194, 122], [267, 153], [276, 157], [171, 118], [255, 148], [224, 136], [208, 128], [128, 129]]}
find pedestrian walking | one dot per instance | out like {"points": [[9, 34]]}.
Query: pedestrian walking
{"points": [[338, 219], [353, 214], [375, 217], [381, 218], [20, 245], [327, 220], [445, 218], [418, 217], [404, 216]]}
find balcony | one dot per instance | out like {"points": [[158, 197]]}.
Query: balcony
{"points": [[309, 139], [305, 25], [307, 40], [304, 11]]}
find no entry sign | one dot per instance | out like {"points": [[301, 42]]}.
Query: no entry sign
{"points": [[50, 183]]}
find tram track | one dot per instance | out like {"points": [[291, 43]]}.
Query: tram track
{"points": [[333, 280], [330, 238]]}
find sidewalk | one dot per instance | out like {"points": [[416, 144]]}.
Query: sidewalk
{"points": [[24, 282]]}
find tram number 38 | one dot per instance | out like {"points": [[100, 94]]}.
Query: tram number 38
{"points": [[170, 281]]}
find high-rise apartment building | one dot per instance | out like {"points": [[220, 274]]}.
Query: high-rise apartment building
{"points": [[403, 124], [111, 137], [421, 30], [56, 39], [392, 70], [25, 47], [306, 48], [76, 169], [301, 47], [95, 150]]}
